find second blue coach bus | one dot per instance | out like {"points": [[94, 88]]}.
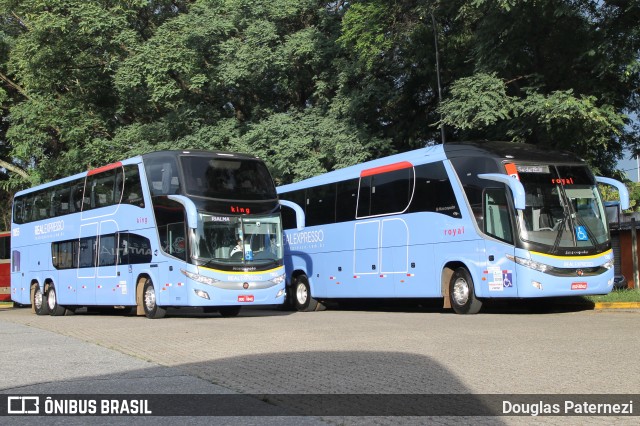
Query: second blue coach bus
{"points": [[465, 222], [165, 229]]}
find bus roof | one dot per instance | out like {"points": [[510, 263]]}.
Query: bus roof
{"points": [[136, 160], [509, 151], [497, 150]]}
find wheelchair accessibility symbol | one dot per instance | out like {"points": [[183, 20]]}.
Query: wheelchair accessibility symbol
{"points": [[581, 234]]}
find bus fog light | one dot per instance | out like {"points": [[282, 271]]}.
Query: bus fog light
{"points": [[202, 293], [280, 293], [537, 285]]}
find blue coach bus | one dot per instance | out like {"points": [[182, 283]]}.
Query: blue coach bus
{"points": [[165, 229], [465, 222]]}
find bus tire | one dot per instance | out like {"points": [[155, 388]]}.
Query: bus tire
{"points": [[151, 308], [55, 310], [302, 300], [229, 311], [39, 302], [461, 293]]}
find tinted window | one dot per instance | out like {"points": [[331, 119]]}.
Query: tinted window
{"points": [[101, 189], [86, 258], [347, 200], [468, 169], [162, 175], [64, 254], [132, 193], [227, 178], [5, 247], [107, 250], [320, 205], [385, 193], [433, 191], [170, 218], [289, 215], [134, 249]]}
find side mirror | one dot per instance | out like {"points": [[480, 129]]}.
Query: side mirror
{"points": [[621, 187]]}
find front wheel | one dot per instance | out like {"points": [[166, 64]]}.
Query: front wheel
{"points": [[461, 293], [302, 299], [151, 308]]}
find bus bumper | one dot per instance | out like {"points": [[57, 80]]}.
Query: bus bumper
{"points": [[532, 283]]}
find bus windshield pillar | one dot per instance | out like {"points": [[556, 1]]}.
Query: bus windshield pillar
{"points": [[299, 213], [192, 213]]}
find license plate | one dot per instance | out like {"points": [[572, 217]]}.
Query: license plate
{"points": [[578, 286], [245, 298]]}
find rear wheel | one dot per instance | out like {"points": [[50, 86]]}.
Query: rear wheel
{"points": [[462, 294], [302, 299], [40, 306], [229, 311], [52, 303], [151, 308]]}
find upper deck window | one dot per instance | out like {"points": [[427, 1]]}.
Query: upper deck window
{"points": [[227, 178]]}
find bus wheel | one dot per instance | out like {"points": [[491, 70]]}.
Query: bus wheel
{"points": [[151, 309], [229, 311], [38, 302], [52, 303], [302, 299], [462, 294]]}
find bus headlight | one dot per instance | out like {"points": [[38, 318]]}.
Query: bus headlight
{"points": [[278, 280], [199, 278], [541, 267], [608, 264]]}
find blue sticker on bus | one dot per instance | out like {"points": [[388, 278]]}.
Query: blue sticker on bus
{"points": [[581, 233]]}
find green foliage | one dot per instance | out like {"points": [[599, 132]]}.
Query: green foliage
{"points": [[310, 86]]}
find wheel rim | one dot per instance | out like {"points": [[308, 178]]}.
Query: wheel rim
{"points": [[301, 294], [37, 299], [150, 299], [51, 298], [460, 291]]}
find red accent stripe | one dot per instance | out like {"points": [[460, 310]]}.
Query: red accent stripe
{"points": [[384, 169], [104, 168]]}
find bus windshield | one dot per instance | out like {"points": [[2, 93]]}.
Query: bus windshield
{"points": [[227, 178], [238, 240], [563, 207]]}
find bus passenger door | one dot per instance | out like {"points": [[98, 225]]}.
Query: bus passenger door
{"points": [[365, 254], [86, 272], [499, 271], [111, 288]]}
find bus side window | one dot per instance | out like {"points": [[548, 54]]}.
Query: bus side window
{"points": [[321, 205], [107, 250], [132, 192], [288, 215], [434, 192], [87, 252], [18, 210], [347, 200]]}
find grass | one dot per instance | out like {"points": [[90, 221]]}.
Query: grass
{"points": [[623, 295]]}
